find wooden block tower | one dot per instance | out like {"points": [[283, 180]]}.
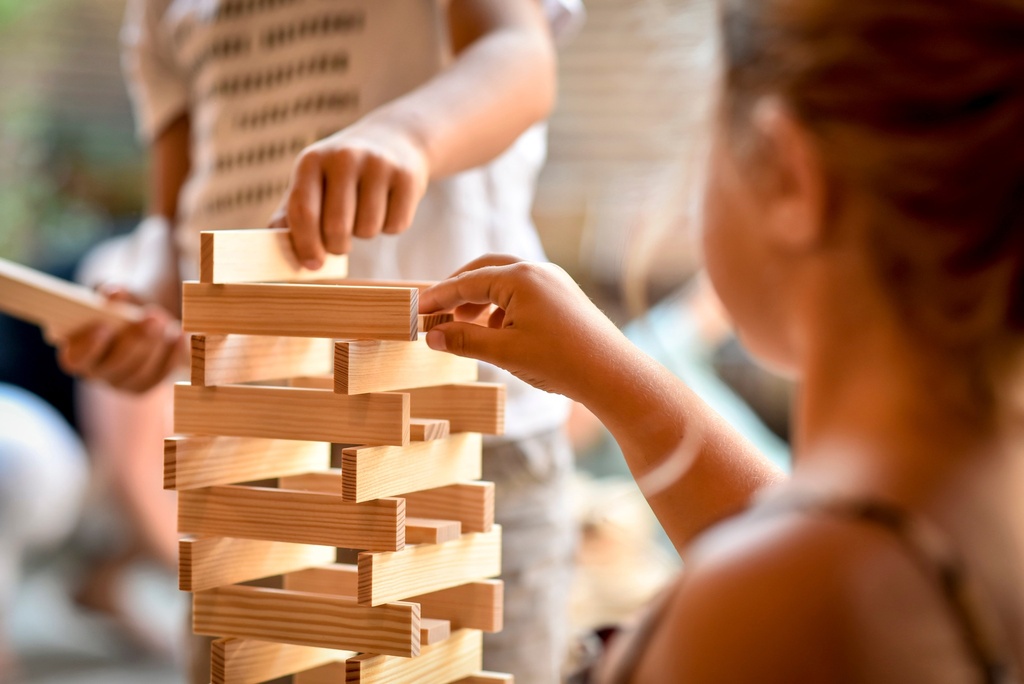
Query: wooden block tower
{"points": [[282, 367]]}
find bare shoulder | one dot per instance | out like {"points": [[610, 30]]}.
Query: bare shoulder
{"points": [[788, 598]]}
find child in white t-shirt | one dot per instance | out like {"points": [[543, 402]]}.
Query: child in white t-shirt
{"points": [[412, 122]]}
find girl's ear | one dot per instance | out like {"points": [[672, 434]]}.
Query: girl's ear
{"points": [[795, 182]]}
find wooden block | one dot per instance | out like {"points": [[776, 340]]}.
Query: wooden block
{"points": [[372, 472], [488, 678], [338, 579], [230, 359], [469, 407], [362, 366], [258, 255], [474, 605], [454, 658], [332, 311], [307, 619], [471, 503], [209, 562], [286, 515], [328, 481], [433, 631], [427, 531], [429, 321], [203, 460], [250, 661], [292, 413], [418, 284], [424, 568], [428, 429], [56, 305]]}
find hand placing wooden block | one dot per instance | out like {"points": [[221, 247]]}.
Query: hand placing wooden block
{"points": [[307, 620], [362, 366], [292, 413], [209, 562], [249, 661], [197, 461], [285, 515], [424, 568], [259, 255], [230, 359]]}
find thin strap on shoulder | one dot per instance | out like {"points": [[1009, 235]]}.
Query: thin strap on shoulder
{"points": [[933, 552]]}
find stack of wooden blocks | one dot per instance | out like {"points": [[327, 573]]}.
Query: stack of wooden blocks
{"points": [[282, 368]]}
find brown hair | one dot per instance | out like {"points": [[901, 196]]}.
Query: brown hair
{"points": [[920, 103]]}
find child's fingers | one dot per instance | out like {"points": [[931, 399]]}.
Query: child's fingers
{"points": [[79, 353], [304, 211], [374, 183], [340, 207], [129, 351], [157, 364], [481, 285], [474, 341], [402, 202]]}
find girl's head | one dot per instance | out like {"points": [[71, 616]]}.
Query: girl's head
{"points": [[889, 129]]}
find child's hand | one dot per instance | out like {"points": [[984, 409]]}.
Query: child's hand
{"points": [[133, 358], [543, 328], [362, 181]]}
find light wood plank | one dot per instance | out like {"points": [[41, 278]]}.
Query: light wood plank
{"points": [[428, 322], [434, 631], [250, 661], [428, 429], [292, 413], [231, 359], [291, 516], [454, 658], [471, 503], [332, 311], [469, 407], [259, 255], [474, 605], [362, 366], [424, 568], [488, 678], [427, 531], [307, 620], [56, 305], [328, 481], [372, 472], [204, 460], [208, 562]]}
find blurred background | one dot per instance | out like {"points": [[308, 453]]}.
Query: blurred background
{"points": [[615, 207]]}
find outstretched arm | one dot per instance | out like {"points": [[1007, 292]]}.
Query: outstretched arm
{"points": [[547, 332], [369, 177]]}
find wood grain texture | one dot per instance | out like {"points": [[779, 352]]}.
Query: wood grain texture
{"points": [[362, 366], [328, 481], [454, 658], [209, 562], [428, 322], [428, 429], [332, 311], [471, 503], [488, 678], [230, 359], [434, 631], [427, 531], [292, 516], [197, 461], [474, 605], [250, 661], [307, 620], [56, 305], [292, 413], [373, 471], [259, 255], [469, 407], [424, 568]]}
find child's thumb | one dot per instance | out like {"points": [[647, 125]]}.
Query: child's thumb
{"points": [[468, 339]]}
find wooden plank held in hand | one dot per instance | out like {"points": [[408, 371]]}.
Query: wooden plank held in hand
{"points": [[232, 359], [471, 503], [454, 658], [307, 620], [372, 472], [56, 305], [424, 568], [362, 366], [197, 461], [332, 311], [291, 516], [474, 605], [292, 413], [469, 407], [259, 255], [250, 661], [209, 562]]}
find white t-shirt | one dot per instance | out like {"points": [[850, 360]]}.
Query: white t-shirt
{"points": [[262, 79]]}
